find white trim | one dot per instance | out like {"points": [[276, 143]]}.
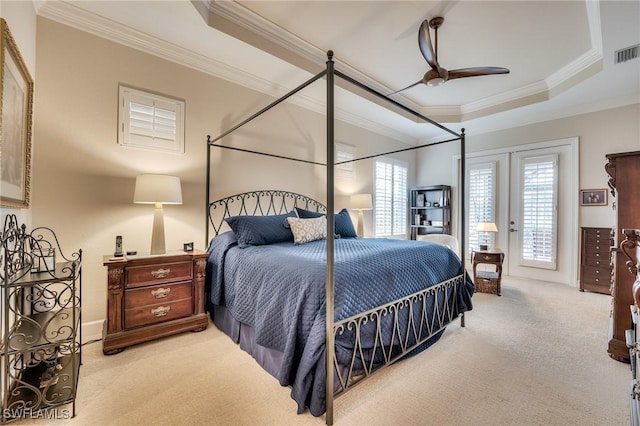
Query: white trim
{"points": [[574, 143], [91, 330]]}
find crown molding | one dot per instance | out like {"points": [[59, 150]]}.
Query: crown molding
{"points": [[535, 92], [73, 16]]}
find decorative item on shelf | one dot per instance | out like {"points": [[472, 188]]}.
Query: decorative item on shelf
{"points": [[360, 202], [416, 219], [420, 201], [486, 227], [44, 259], [188, 246], [436, 204], [158, 190]]}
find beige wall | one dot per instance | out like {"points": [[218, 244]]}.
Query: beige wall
{"points": [[599, 133], [83, 180]]}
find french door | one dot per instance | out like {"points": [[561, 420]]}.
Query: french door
{"points": [[535, 205]]}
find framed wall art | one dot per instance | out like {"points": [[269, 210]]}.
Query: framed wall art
{"points": [[593, 197], [16, 124]]}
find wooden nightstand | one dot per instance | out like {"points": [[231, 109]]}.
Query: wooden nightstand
{"points": [[488, 281], [152, 296]]}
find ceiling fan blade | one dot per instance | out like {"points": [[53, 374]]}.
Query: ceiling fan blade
{"points": [[476, 71], [426, 47], [408, 87]]}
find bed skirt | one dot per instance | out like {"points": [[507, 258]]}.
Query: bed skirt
{"points": [[243, 334], [271, 359]]}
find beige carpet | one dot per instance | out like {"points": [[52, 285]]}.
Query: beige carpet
{"points": [[534, 356]]}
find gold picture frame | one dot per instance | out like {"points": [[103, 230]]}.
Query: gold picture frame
{"points": [[16, 123]]}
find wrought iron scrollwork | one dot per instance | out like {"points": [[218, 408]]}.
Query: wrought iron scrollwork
{"points": [[381, 336], [40, 336], [259, 203]]}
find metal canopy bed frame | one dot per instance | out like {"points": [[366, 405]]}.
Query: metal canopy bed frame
{"points": [[340, 378]]}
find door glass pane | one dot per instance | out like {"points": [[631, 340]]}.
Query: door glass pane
{"points": [[482, 195], [539, 211]]}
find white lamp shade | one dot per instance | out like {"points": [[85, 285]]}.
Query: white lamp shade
{"points": [[486, 227], [157, 189], [361, 202]]}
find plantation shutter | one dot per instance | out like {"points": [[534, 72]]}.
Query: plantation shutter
{"points": [[390, 198], [539, 211], [344, 152], [481, 187], [399, 200], [151, 121]]}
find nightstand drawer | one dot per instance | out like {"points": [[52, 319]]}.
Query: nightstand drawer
{"points": [[161, 293], [488, 257], [160, 312], [159, 273]]}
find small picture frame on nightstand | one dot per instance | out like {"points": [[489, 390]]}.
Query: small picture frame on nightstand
{"points": [[188, 246], [420, 200]]}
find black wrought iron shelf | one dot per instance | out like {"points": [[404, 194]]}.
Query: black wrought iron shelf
{"points": [[63, 272], [30, 394], [40, 344], [34, 331]]}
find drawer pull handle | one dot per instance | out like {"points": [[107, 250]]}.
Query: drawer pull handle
{"points": [[161, 311], [160, 273], [597, 272], [159, 293], [597, 280], [597, 254], [487, 257]]}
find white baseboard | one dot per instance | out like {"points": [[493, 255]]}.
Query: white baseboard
{"points": [[91, 330]]}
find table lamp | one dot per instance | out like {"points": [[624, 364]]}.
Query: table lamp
{"points": [[486, 227], [360, 202], [157, 190]]}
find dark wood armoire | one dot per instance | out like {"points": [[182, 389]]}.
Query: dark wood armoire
{"points": [[624, 176]]}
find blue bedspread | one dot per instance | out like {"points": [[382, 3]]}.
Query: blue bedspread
{"points": [[279, 290]]}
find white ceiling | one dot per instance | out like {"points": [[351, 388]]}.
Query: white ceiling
{"points": [[560, 53]]}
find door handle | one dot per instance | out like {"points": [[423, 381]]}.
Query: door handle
{"points": [[513, 230]]}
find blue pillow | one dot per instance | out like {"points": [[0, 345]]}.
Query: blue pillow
{"points": [[260, 230], [342, 221]]}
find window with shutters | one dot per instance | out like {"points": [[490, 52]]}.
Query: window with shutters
{"points": [[539, 211], [151, 121], [390, 204], [481, 187], [345, 152]]}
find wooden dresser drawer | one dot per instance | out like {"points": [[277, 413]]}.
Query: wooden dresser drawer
{"points": [[159, 273], [595, 275], [602, 260], [160, 312], [161, 293]]}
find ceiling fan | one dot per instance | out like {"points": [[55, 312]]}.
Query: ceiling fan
{"points": [[438, 75]]}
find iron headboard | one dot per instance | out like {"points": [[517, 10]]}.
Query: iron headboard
{"points": [[258, 203]]}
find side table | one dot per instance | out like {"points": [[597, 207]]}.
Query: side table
{"points": [[153, 296], [488, 281]]}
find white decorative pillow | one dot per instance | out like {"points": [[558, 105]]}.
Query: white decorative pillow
{"points": [[306, 230]]}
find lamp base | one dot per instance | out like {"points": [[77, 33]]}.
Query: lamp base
{"points": [[157, 233], [484, 247]]}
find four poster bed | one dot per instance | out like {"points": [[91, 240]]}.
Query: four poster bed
{"points": [[319, 308]]}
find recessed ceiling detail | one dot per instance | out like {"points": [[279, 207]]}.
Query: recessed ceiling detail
{"points": [[271, 27]]}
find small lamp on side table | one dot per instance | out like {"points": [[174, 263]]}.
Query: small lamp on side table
{"points": [[486, 227], [360, 202], [157, 190]]}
